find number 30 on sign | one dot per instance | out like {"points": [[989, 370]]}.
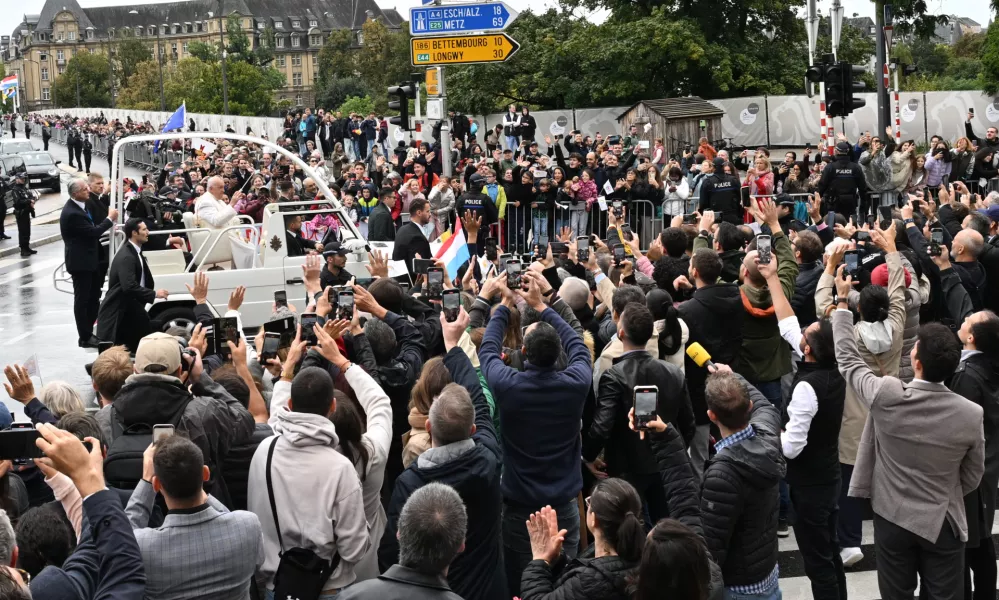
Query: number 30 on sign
{"points": [[462, 49]]}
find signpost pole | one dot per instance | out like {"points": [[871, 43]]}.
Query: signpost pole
{"points": [[445, 122]]}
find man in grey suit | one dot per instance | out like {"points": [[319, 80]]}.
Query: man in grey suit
{"points": [[922, 451], [202, 550]]}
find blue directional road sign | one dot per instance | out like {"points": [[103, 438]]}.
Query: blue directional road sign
{"points": [[460, 18]]}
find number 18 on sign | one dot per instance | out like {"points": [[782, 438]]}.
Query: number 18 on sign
{"points": [[462, 49]]}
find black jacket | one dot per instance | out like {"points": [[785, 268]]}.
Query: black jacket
{"points": [[714, 317], [400, 583], [381, 228], [81, 234], [803, 301], [236, 465], [604, 578], [122, 317], [990, 261], [626, 453], [722, 193], [739, 499], [326, 279], [480, 204], [841, 183], [977, 379], [410, 241], [973, 279], [298, 245], [683, 490], [731, 265], [476, 573]]}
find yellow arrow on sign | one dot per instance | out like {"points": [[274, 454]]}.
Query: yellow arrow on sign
{"points": [[462, 49]]}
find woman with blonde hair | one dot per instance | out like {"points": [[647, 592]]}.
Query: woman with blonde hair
{"points": [[61, 398], [432, 380]]}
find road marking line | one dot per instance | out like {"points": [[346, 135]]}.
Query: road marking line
{"points": [[17, 339]]}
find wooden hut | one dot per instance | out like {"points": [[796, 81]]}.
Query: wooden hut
{"points": [[678, 121]]}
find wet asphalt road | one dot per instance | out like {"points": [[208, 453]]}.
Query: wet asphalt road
{"points": [[36, 319]]}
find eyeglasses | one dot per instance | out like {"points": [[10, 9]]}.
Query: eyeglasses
{"points": [[587, 502]]}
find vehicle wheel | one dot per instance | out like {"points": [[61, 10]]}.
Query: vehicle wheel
{"points": [[179, 316]]}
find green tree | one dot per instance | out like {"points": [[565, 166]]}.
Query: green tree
{"points": [[90, 72], [205, 51], [336, 59], [237, 42], [969, 45], [337, 91], [130, 52], [990, 61], [142, 90], [354, 104], [383, 60], [263, 54]]}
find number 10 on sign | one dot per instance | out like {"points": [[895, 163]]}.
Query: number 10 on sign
{"points": [[462, 50]]}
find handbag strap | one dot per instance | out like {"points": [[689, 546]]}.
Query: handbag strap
{"points": [[270, 492]]}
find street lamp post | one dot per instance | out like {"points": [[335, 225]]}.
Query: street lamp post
{"points": [[225, 80], [110, 72]]}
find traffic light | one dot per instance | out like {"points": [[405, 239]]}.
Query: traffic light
{"points": [[835, 94], [403, 93], [814, 74], [852, 85]]}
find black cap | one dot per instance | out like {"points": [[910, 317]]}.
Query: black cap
{"points": [[784, 199], [842, 148], [718, 162], [477, 180], [334, 249]]}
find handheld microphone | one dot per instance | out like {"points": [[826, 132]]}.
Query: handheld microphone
{"points": [[699, 355]]}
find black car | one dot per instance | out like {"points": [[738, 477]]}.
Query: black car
{"points": [[11, 164], [42, 171]]}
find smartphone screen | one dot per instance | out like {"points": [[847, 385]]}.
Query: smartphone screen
{"points": [[831, 219], [885, 216], [281, 298], [420, 265], [763, 248], [513, 274], [435, 283], [225, 329], [284, 327], [309, 321], [161, 432], [583, 249], [503, 260], [646, 404], [936, 236], [689, 219], [491, 247], [618, 254], [852, 260], [452, 305], [345, 305], [559, 248], [626, 231], [871, 220], [18, 443], [272, 342]]}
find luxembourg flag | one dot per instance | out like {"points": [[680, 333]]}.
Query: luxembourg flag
{"points": [[454, 250]]}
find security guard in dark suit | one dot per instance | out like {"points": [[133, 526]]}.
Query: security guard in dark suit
{"points": [[24, 210]]}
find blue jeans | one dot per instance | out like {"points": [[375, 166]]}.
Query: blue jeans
{"points": [[512, 142], [774, 595], [577, 220], [517, 543], [539, 227], [371, 144]]}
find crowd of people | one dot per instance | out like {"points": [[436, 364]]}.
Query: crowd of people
{"points": [[809, 359]]}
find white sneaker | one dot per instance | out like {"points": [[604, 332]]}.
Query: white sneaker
{"points": [[851, 556]]}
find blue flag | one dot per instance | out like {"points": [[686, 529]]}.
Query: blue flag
{"points": [[176, 122]]}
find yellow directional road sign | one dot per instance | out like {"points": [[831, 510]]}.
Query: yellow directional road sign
{"points": [[462, 49], [433, 81]]}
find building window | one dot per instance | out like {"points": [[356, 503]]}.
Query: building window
{"points": [[72, 36], [281, 62], [313, 23], [187, 28], [280, 42], [62, 70], [59, 35], [43, 56], [110, 33], [46, 94], [296, 42], [138, 32], [176, 29], [261, 25], [315, 61], [359, 37], [315, 40], [90, 34], [173, 48], [298, 100], [45, 74], [185, 48], [60, 55], [163, 29], [278, 24], [296, 79], [296, 24], [296, 60]]}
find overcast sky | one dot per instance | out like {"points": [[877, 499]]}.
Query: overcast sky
{"points": [[976, 9]]}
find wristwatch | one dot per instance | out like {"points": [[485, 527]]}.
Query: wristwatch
{"points": [[909, 221], [704, 233]]}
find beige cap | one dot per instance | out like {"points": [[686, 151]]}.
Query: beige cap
{"points": [[158, 353]]}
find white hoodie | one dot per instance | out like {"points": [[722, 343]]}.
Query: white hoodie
{"points": [[316, 490]]}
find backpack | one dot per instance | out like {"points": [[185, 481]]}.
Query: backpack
{"points": [[123, 463]]}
